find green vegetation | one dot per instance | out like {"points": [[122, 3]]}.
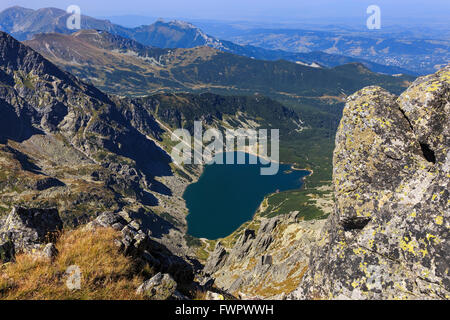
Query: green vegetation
{"points": [[295, 200], [204, 69], [192, 241]]}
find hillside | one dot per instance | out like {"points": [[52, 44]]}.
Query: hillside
{"points": [[119, 65], [388, 235]]}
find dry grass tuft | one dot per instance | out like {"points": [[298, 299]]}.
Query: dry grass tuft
{"points": [[106, 273]]}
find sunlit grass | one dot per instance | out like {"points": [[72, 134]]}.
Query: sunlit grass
{"points": [[106, 272]]}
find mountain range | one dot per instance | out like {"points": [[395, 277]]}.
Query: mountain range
{"points": [[391, 201], [23, 23], [120, 65], [419, 55]]}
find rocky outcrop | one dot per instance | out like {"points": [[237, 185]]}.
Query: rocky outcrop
{"points": [[216, 260], [265, 263], [28, 229], [388, 237], [160, 287], [140, 244]]}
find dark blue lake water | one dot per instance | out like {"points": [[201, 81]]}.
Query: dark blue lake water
{"points": [[226, 196]]}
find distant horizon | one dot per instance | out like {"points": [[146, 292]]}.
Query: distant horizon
{"points": [[322, 12], [135, 20]]}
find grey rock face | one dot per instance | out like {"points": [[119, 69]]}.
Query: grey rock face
{"points": [[214, 296], [389, 234], [177, 295], [160, 287], [268, 262], [29, 228], [216, 260], [265, 260]]}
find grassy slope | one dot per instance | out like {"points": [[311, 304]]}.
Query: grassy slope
{"points": [[113, 277]]}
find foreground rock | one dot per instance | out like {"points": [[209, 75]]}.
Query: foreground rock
{"points": [[389, 235], [25, 230], [140, 244]]}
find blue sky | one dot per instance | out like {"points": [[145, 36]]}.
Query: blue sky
{"points": [[257, 10]]}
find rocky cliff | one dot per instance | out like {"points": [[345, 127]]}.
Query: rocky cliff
{"points": [[267, 260], [388, 237]]}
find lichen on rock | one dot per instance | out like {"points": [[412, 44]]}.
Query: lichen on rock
{"points": [[388, 235]]}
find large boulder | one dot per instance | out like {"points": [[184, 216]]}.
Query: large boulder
{"points": [[389, 234], [28, 229]]}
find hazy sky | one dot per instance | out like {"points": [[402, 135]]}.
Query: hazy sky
{"points": [[260, 10]]}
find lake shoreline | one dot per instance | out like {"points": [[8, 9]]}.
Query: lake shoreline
{"points": [[216, 210]]}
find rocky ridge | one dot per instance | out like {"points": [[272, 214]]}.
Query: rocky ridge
{"points": [[267, 260]]}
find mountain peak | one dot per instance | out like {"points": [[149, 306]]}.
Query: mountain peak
{"points": [[52, 10], [183, 24], [15, 8]]}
